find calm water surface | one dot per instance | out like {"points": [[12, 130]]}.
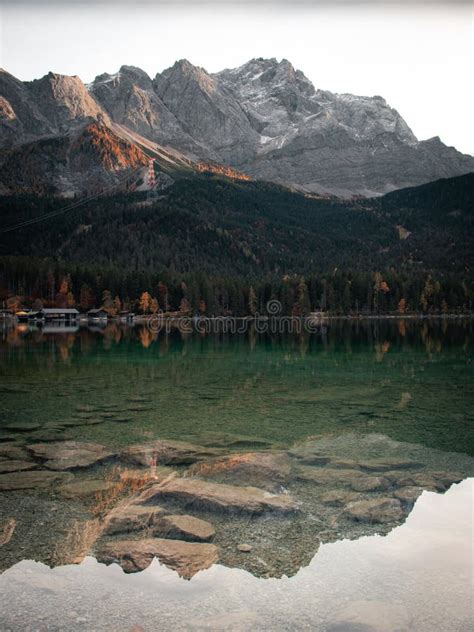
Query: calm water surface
{"points": [[412, 381], [354, 392]]}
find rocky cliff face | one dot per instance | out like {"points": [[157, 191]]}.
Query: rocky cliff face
{"points": [[20, 115], [265, 119], [208, 112], [130, 99], [50, 105], [64, 101]]}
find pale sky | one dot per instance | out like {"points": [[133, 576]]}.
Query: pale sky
{"points": [[417, 55]]}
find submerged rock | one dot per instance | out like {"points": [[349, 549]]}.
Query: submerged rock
{"points": [[68, 455], [166, 453], [32, 479], [327, 475], [377, 510], [65, 423], [218, 496], [408, 494], [389, 463], [128, 517], [15, 466], [21, 426], [349, 464], [370, 484], [232, 441], [183, 527], [186, 558], [339, 497], [438, 481], [46, 435], [244, 548], [261, 469], [14, 451], [85, 488]]}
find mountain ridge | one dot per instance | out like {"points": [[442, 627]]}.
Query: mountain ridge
{"points": [[265, 119]]}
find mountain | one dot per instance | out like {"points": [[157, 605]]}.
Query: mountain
{"points": [[336, 143], [51, 105], [264, 119], [130, 99], [57, 139]]}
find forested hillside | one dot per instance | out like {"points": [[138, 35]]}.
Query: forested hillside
{"points": [[209, 239]]}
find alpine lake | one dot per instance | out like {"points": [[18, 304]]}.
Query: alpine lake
{"points": [[252, 481]]}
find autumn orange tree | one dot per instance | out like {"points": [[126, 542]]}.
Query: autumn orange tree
{"points": [[145, 303]]}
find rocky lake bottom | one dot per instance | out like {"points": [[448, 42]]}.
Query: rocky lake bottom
{"points": [[121, 509]]}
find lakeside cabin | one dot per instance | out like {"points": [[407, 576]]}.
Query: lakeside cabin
{"points": [[59, 314], [98, 315], [126, 316], [24, 316]]}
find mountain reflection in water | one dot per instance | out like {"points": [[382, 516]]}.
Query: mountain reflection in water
{"points": [[418, 577]]}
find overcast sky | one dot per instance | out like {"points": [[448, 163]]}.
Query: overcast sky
{"points": [[419, 56]]}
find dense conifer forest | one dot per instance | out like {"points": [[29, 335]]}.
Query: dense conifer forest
{"points": [[218, 246]]}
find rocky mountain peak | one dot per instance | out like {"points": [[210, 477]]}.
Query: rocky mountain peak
{"points": [[261, 74], [64, 99], [107, 86], [206, 111], [136, 75], [183, 73]]}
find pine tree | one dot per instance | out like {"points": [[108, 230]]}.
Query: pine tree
{"points": [[107, 302], [252, 302], [303, 297]]}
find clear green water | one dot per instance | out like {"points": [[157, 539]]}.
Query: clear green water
{"points": [[412, 381], [345, 392]]}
